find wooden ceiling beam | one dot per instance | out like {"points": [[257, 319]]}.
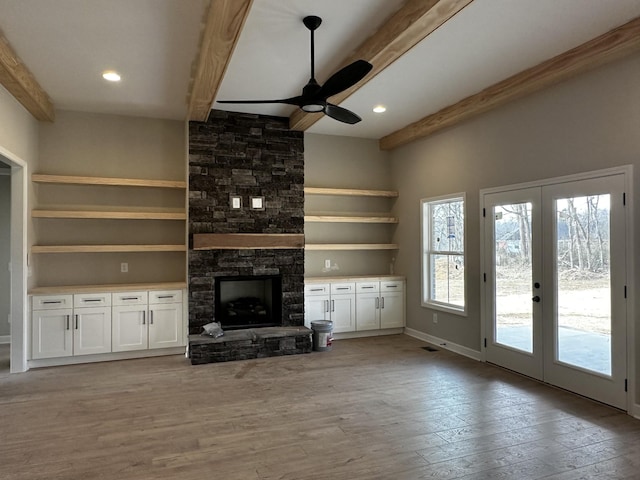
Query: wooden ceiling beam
{"points": [[20, 82], [222, 29], [407, 27], [613, 45]]}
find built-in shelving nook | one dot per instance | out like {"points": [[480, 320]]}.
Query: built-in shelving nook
{"points": [[75, 216], [365, 217]]}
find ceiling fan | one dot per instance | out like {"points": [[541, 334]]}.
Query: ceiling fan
{"points": [[314, 96]]}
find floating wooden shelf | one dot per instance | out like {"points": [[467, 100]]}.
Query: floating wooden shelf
{"points": [[247, 241], [139, 215], [113, 287], [106, 248], [348, 219], [350, 192], [351, 246], [121, 182]]}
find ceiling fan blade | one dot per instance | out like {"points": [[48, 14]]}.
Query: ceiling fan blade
{"points": [[341, 114], [345, 78], [289, 101]]}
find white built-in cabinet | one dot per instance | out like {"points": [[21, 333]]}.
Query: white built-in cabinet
{"points": [[147, 320], [165, 319], [331, 301], [380, 305], [70, 325], [130, 321], [369, 305]]}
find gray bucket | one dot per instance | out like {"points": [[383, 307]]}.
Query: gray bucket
{"points": [[322, 335]]}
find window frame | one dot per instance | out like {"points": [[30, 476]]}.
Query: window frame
{"points": [[426, 252]]}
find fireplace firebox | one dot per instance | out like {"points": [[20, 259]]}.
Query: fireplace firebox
{"points": [[248, 301]]}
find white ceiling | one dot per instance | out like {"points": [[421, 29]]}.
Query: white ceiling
{"points": [[67, 44], [153, 43]]}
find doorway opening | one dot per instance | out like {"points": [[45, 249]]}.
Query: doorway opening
{"points": [[16, 316], [5, 262]]}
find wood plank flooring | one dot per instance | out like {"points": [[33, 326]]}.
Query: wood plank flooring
{"points": [[375, 408]]}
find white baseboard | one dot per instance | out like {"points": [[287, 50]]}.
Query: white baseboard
{"points": [[635, 411], [367, 333], [5, 338], [104, 357], [444, 344]]}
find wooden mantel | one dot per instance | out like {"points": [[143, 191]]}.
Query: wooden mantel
{"points": [[247, 241]]}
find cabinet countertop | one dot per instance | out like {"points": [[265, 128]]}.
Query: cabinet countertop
{"points": [[353, 278], [107, 288]]}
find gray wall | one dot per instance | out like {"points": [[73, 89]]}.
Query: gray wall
{"points": [[587, 123], [87, 144], [346, 162], [5, 242]]}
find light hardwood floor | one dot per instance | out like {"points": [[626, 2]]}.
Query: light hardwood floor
{"points": [[377, 408]]}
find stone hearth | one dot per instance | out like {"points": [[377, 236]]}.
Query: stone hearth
{"points": [[249, 343]]}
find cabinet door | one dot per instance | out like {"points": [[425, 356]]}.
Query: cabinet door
{"points": [[165, 325], [367, 311], [129, 328], [51, 334], [315, 308], [343, 313], [91, 330], [392, 310]]}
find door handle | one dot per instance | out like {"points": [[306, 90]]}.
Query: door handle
{"points": [[68, 321], [326, 305], [377, 303], [143, 317], [150, 317], [381, 302], [77, 322], [536, 299], [333, 305]]}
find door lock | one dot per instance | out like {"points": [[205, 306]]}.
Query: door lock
{"points": [[536, 299]]}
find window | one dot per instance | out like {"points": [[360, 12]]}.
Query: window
{"points": [[443, 282]]}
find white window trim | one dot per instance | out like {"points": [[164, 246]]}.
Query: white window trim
{"points": [[433, 305]]}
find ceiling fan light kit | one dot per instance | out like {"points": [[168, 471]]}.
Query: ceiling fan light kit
{"points": [[314, 96]]}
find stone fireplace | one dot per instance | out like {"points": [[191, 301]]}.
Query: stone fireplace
{"points": [[231, 156]]}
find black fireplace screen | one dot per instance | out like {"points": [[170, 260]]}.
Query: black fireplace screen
{"points": [[248, 302]]}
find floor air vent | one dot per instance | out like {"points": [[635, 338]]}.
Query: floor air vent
{"points": [[430, 349]]}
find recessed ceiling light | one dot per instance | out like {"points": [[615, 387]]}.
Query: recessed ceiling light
{"points": [[111, 76], [379, 109]]}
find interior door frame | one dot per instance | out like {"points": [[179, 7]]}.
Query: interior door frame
{"points": [[19, 261], [627, 172]]}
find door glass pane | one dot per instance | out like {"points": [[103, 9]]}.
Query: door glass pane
{"points": [[583, 282], [513, 276]]}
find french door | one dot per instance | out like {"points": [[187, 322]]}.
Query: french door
{"points": [[555, 295]]}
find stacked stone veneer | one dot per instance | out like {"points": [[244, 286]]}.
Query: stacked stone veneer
{"points": [[245, 155]]}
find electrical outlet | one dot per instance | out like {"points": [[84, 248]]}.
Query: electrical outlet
{"points": [[327, 264], [435, 318], [124, 267]]}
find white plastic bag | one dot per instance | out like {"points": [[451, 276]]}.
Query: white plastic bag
{"points": [[213, 329]]}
